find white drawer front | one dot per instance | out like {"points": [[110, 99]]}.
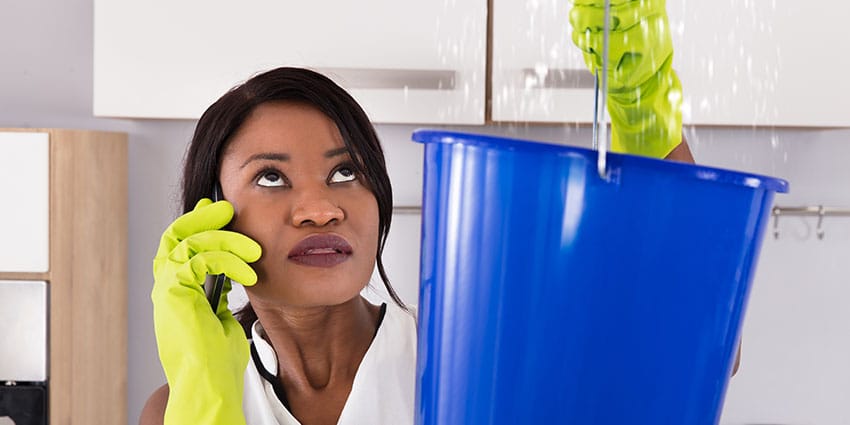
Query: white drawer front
{"points": [[23, 314], [24, 202]]}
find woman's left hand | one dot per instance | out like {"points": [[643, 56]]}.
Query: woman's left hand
{"points": [[204, 353], [644, 93]]}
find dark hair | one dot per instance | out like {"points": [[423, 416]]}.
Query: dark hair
{"points": [[224, 117]]}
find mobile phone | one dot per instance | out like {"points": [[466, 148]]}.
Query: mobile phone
{"points": [[214, 284]]}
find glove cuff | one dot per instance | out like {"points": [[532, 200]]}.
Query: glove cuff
{"points": [[195, 402], [205, 391]]}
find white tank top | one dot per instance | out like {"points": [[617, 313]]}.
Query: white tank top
{"points": [[383, 389]]}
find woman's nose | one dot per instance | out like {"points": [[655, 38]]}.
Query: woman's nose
{"points": [[316, 211]]}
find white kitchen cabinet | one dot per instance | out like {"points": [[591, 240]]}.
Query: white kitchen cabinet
{"points": [[762, 62], [24, 177], [403, 60], [64, 193], [406, 61], [740, 62]]}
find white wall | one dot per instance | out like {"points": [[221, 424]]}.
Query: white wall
{"points": [[797, 333]]}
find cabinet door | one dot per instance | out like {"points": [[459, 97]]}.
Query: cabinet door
{"points": [[24, 214], [538, 75], [741, 63], [403, 60], [23, 313], [779, 62]]}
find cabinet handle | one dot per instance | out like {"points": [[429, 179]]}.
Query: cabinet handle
{"points": [[377, 78], [558, 78]]}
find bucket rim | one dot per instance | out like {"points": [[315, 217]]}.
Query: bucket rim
{"points": [[700, 172]]}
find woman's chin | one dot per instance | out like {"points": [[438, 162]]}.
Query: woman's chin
{"points": [[311, 295]]}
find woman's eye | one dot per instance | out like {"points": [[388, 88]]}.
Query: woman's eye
{"points": [[271, 179], [343, 174]]}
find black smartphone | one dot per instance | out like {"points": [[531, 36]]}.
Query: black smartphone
{"points": [[214, 284]]}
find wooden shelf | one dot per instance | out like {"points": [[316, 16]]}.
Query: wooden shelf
{"points": [[24, 276]]}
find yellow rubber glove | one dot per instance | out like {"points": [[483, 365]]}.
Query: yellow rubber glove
{"points": [[644, 93], [204, 355]]}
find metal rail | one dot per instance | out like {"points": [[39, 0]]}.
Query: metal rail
{"points": [[818, 211], [407, 209]]}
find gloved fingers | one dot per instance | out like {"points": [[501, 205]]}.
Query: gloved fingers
{"points": [[216, 240], [591, 45], [634, 55], [622, 17], [639, 62], [619, 42], [591, 52], [206, 216], [194, 272], [202, 203], [652, 33]]}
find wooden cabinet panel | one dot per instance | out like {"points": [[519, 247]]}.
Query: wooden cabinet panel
{"points": [[87, 274]]}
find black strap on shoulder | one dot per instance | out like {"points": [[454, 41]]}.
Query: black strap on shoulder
{"points": [[273, 380], [381, 315]]}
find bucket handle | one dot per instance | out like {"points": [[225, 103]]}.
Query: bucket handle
{"points": [[600, 126]]}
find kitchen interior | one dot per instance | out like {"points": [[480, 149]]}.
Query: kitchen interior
{"points": [[749, 71]]}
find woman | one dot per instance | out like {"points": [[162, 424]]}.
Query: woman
{"points": [[307, 214], [302, 167]]}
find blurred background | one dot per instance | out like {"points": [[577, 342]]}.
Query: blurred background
{"points": [[752, 104]]}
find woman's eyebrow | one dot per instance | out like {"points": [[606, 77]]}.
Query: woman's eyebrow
{"points": [[334, 152], [266, 156]]}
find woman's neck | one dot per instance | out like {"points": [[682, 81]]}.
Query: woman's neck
{"points": [[319, 348]]}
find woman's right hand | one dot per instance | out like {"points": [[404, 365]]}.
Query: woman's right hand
{"points": [[204, 355]]}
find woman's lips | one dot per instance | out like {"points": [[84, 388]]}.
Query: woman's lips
{"points": [[321, 250]]}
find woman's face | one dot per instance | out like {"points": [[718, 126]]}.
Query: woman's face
{"points": [[296, 192]]}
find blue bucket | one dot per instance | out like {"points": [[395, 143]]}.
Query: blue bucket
{"points": [[551, 296]]}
